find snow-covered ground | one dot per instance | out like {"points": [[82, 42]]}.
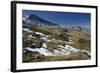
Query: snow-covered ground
{"points": [[61, 50], [41, 50], [70, 48], [27, 30], [39, 33]]}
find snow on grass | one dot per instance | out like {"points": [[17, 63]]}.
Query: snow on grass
{"points": [[70, 48], [49, 40], [44, 45], [46, 52], [56, 52], [43, 38], [27, 30], [39, 33], [60, 46], [61, 50], [87, 52], [30, 36], [40, 50], [70, 42]]}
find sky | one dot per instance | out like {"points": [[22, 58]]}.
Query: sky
{"points": [[62, 18]]}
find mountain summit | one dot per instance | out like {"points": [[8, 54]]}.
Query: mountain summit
{"points": [[35, 20]]}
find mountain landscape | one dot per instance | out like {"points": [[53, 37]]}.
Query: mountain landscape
{"points": [[34, 20], [44, 40]]}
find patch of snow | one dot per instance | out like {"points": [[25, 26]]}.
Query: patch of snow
{"points": [[27, 30], [30, 36], [70, 42], [54, 39], [41, 34], [57, 52], [47, 36], [44, 45], [87, 52], [70, 48], [62, 50], [66, 53], [60, 46], [43, 38], [31, 49], [40, 50], [43, 49], [49, 40]]}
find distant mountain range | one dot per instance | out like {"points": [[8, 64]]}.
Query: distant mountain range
{"points": [[35, 20]]}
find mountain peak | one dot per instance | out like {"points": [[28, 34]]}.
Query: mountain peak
{"points": [[33, 16], [35, 20]]}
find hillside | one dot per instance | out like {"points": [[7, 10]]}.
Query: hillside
{"points": [[46, 41]]}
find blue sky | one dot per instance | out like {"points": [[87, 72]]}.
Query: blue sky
{"points": [[62, 18]]}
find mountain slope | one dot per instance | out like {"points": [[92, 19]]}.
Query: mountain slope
{"points": [[35, 20]]}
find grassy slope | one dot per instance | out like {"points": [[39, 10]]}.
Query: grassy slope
{"points": [[81, 40]]}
